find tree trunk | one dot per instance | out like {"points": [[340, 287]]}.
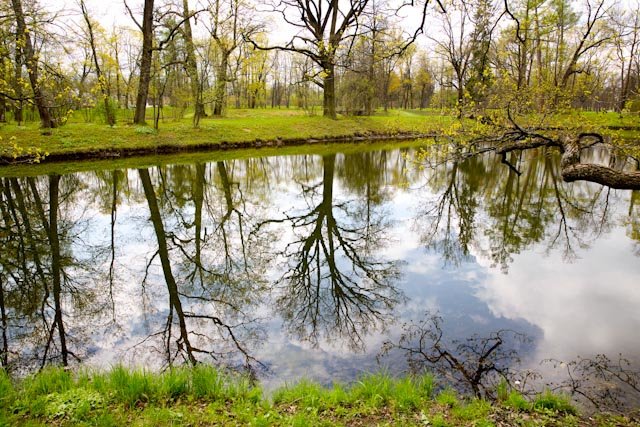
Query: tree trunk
{"points": [[102, 81], [192, 66], [17, 110], [329, 91], [145, 63], [56, 264], [221, 84], [165, 261], [460, 105], [4, 351], [118, 89], [23, 37]]}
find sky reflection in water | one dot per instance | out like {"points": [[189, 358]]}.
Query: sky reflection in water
{"points": [[308, 264]]}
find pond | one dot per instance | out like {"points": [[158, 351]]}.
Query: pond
{"points": [[303, 266]]}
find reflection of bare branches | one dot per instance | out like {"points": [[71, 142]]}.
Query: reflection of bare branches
{"points": [[521, 207], [476, 364], [607, 384], [457, 201], [198, 320], [332, 282]]}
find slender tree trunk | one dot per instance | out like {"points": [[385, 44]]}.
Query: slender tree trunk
{"points": [[198, 201], [163, 252], [17, 110], [3, 110], [56, 270], [192, 66], [460, 91], [118, 89], [24, 38], [102, 81], [145, 63], [4, 352], [625, 83]]}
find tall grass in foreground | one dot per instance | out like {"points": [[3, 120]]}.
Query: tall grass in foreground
{"points": [[204, 395]]}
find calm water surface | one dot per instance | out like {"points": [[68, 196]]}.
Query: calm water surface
{"points": [[303, 266]]}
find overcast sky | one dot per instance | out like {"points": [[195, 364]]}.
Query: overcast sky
{"points": [[113, 12]]}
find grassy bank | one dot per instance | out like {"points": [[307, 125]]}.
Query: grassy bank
{"points": [[242, 129], [61, 168], [205, 396], [80, 140]]}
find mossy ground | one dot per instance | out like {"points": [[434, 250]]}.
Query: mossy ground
{"points": [[203, 396]]}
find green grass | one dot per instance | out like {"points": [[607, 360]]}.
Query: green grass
{"points": [[261, 126], [240, 126], [549, 401], [204, 395], [198, 157]]}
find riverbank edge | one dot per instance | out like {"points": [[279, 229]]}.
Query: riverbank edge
{"points": [[205, 395], [173, 148]]}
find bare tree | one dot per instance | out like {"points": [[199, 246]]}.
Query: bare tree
{"points": [[325, 26], [102, 82], [148, 47], [23, 38], [191, 65]]}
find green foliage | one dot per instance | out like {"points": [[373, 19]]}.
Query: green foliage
{"points": [[405, 393], [305, 393], [204, 395], [49, 380], [76, 403], [174, 384], [502, 391], [131, 387], [207, 382], [438, 421], [474, 410]]}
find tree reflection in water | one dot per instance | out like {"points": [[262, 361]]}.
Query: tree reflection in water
{"points": [[44, 283], [209, 278], [487, 366], [476, 364], [519, 210], [335, 286], [212, 280]]}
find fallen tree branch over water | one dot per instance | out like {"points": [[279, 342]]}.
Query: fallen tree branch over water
{"points": [[573, 168]]}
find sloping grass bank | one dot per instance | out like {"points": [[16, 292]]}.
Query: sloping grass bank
{"points": [[79, 140], [203, 396], [76, 141]]}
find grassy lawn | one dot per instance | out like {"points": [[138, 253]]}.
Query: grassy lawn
{"points": [[238, 126], [80, 139], [202, 396]]}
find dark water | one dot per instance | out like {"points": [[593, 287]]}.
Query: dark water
{"points": [[303, 266]]}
